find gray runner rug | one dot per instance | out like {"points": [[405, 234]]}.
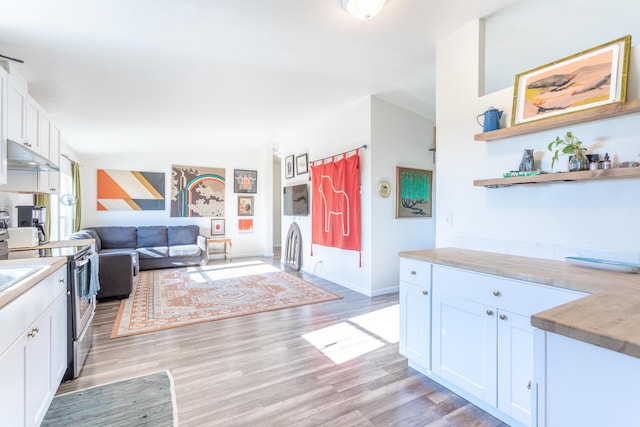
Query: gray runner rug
{"points": [[143, 401]]}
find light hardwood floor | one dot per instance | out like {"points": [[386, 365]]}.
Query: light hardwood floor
{"points": [[259, 370]]}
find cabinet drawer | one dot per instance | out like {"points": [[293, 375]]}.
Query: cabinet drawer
{"points": [[416, 272], [509, 294]]}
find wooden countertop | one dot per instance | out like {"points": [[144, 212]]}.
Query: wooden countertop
{"points": [[609, 317], [57, 244]]}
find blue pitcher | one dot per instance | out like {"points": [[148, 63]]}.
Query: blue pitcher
{"points": [[491, 119]]}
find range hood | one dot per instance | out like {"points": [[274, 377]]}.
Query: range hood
{"points": [[21, 158]]}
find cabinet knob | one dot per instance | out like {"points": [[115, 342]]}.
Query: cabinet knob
{"points": [[413, 272], [496, 293], [33, 332], [490, 312], [529, 385], [61, 280], [503, 317], [68, 292], [425, 292]]}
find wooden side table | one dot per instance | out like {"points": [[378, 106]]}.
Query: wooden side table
{"points": [[226, 241]]}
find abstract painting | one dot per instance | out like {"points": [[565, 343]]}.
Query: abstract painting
{"points": [[197, 191], [130, 190], [589, 79], [413, 193]]}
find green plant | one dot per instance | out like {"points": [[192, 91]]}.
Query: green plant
{"points": [[567, 145]]}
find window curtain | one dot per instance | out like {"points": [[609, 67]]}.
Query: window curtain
{"points": [[75, 176], [45, 200]]}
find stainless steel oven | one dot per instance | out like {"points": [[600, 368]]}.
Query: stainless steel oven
{"points": [[82, 308]]}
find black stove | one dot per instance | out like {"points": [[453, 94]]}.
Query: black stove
{"points": [[69, 252]]}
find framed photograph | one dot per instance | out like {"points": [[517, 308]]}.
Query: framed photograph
{"points": [[288, 167], [413, 193], [217, 227], [302, 164], [245, 181], [245, 205], [588, 79]]}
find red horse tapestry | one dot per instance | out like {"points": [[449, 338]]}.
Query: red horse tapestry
{"points": [[335, 203]]}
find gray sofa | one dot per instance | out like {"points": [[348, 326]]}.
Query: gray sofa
{"points": [[126, 250]]}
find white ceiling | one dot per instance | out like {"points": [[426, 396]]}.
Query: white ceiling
{"points": [[138, 75]]}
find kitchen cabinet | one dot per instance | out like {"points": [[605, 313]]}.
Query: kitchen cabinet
{"points": [[482, 339], [38, 128], [415, 313], [33, 364], [17, 107], [4, 88]]}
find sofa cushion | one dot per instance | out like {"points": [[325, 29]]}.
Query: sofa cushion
{"points": [[182, 235], [114, 237], [184, 250], [153, 252], [152, 236]]}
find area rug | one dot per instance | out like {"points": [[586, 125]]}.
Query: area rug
{"points": [[170, 298], [143, 401]]}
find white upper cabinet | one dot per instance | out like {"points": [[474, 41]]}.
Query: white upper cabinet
{"points": [[38, 128], [4, 87], [17, 108]]}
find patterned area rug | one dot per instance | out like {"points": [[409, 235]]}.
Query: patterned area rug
{"points": [[143, 401], [170, 298]]}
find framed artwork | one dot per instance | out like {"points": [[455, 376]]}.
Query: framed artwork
{"points": [[245, 225], [245, 205], [413, 192], [302, 164], [588, 79], [123, 190], [245, 181], [288, 167], [197, 191], [217, 227]]}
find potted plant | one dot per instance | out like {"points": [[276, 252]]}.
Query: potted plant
{"points": [[569, 145]]}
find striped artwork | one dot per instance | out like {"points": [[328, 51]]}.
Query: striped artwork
{"points": [[130, 190], [197, 191]]}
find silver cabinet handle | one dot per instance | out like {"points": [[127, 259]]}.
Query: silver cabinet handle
{"points": [[413, 272], [496, 293], [529, 385], [490, 312], [425, 292], [503, 317]]}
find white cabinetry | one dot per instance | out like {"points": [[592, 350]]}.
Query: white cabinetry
{"points": [[483, 340], [17, 108], [4, 117], [33, 351], [38, 128], [415, 313]]}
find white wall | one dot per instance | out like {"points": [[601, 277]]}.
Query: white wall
{"points": [[597, 218], [258, 243], [393, 136], [398, 138]]}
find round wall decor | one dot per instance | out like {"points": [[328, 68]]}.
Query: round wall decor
{"points": [[384, 188]]}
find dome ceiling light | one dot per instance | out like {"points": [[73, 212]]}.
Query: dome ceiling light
{"points": [[363, 9]]}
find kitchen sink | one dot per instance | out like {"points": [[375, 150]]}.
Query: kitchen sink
{"points": [[11, 275]]}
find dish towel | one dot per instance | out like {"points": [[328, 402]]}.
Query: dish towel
{"points": [[94, 282]]}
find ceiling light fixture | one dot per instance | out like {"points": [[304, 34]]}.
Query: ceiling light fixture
{"points": [[363, 9]]}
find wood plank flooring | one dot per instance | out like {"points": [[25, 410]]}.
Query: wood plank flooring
{"points": [[259, 370]]}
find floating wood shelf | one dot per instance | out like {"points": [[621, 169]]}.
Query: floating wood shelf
{"points": [[607, 111], [559, 177]]}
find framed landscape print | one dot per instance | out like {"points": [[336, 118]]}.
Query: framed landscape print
{"points": [[588, 79], [245, 181], [302, 164], [245, 205], [413, 192]]}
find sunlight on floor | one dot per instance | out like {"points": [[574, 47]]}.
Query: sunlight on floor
{"points": [[358, 335], [230, 270]]}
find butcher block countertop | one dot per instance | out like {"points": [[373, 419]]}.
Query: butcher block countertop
{"points": [[609, 317]]}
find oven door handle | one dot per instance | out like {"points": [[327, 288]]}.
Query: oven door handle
{"points": [[82, 262]]}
